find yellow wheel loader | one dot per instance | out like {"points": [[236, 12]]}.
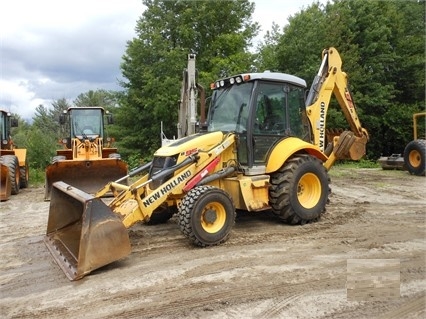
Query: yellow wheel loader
{"points": [[87, 160], [414, 157], [263, 148], [14, 168]]}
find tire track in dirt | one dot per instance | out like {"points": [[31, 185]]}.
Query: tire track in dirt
{"points": [[266, 269]]}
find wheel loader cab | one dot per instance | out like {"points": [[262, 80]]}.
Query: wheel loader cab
{"points": [[263, 109], [86, 124]]}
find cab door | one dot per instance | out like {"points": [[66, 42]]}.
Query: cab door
{"points": [[277, 112]]}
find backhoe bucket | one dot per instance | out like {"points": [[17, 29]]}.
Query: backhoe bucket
{"points": [[88, 176], [5, 186], [83, 234]]}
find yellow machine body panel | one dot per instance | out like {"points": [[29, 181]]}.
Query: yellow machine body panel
{"points": [[286, 148]]}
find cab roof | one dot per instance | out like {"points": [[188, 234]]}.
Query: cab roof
{"points": [[276, 76]]}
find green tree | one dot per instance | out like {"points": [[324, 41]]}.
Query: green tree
{"points": [[267, 57], [218, 32], [19, 134], [382, 47], [40, 148], [99, 97], [45, 132]]}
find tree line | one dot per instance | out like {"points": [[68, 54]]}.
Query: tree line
{"points": [[382, 46]]}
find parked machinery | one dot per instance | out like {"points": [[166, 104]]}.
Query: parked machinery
{"points": [[264, 148], [87, 160], [414, 157], [14, 168]]}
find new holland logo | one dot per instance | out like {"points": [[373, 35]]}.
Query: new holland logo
{"points": [[322, 126], [166, 188]]}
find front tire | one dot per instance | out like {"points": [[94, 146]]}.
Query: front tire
{"points": [[299, 190], [11, 161], [206, 216], [414, 157]]}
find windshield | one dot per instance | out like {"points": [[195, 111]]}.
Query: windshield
{"points": [[229, 108], [86, 123]]}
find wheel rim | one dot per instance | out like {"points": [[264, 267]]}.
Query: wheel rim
{"points": [[414, 158], [309, 190], [213, 217]]}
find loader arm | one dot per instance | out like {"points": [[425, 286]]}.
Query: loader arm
{"points": [[84, 233], [332, 80], [137, 202]]}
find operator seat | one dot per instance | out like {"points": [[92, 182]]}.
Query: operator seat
{"points": [[88, 130]]}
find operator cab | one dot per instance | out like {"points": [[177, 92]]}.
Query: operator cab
{"points": [[262, 108], [84, 122]]}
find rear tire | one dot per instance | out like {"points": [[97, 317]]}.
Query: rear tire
{"points": [[206, 216], [300, 189], [24, 175], [414, 157], [11, 161]]}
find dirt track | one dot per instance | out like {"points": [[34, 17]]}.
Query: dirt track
{"points": [[364, 259]]}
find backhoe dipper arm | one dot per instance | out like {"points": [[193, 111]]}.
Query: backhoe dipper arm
{"points": [[332, 80]]}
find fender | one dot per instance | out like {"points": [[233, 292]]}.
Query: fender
{"points": [[286, 148]]}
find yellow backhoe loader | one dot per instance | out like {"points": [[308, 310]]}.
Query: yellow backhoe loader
{"points": [[14, 168], [87, 160], [264, 148], [414, 157]]}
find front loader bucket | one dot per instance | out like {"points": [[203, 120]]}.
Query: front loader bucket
{"points": [[88, 176], [5, 186], [83, 233]]}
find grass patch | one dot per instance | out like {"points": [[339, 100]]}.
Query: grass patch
{"points": [[37, 177], [363, 163]]}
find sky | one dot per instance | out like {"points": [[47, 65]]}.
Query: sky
{"points": [[52, 49]]}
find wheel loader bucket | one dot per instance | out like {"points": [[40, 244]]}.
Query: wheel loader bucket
{"points": [[88, 176], [5, 186], [83, 234]]}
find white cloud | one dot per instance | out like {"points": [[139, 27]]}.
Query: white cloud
{"points": [[54, 49]]}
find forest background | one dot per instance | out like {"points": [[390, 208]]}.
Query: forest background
{"points": [[382, 45]]}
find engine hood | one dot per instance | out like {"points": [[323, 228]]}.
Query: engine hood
{"points": [[200, 141]]}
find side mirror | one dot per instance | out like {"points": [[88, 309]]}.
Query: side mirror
{"points": [[109, 118], [13, 122], [62, 119]]}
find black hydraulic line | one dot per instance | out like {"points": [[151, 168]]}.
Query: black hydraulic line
{"points": [[135, 171], [221, 174], [167, 171]]}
